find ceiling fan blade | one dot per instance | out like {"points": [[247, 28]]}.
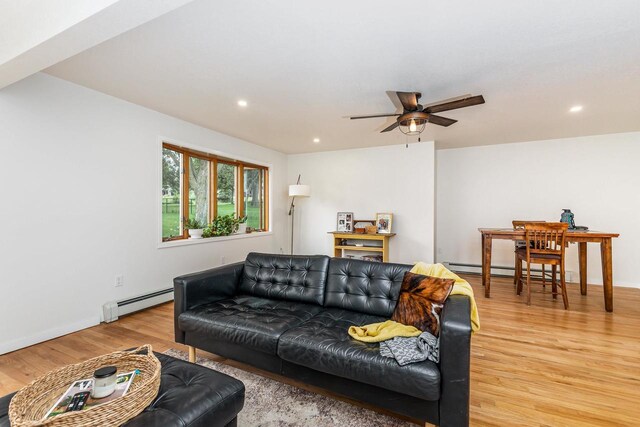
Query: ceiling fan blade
{"points": [[466, 102], [444, 101], [373, 116], [441, 121], [409, 100], [392, 127]]}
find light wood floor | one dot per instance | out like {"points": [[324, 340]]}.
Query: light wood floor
{"points": [[534, 366]]}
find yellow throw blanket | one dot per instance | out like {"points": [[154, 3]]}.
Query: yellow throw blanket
{"points": [[460, 287], [377, 332]]}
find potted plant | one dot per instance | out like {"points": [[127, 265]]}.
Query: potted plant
{"points": [[242, 225], [195, 227], [222, 225]]}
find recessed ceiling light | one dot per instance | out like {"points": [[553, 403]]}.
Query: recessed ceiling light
{"points": [[316, 140], [575, 109], [242, 103]]}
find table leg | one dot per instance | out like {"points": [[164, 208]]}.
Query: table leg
{"points": [[607, 273], [486, 265], [582, 251], [483, 260]]}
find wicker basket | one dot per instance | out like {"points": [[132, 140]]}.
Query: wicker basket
{"points": [[29, 406]]}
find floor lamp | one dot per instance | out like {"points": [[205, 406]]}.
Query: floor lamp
{"points": [[296, 190]]}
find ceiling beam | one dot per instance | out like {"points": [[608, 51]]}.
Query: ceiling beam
{"points": [[90, 28]]}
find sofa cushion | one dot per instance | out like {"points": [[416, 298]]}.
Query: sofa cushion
{"points": [[191, 395], [367, 287], [285, 277], [254, 322], [421, 300], [323, 344]]}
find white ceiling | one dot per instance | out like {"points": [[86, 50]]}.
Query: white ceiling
{"points": [[305, 65]]}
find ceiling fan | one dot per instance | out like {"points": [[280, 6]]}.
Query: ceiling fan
{"points": [[414, 116]]}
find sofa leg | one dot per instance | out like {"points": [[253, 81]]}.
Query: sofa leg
{"points": [[192, 354]]}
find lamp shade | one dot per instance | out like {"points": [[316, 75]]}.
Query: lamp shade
{"points": [[299, 190]]}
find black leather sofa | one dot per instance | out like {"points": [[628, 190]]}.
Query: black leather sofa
{"points": [[290, 315]]}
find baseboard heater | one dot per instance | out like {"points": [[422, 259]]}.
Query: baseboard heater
{"points": [[501, 271], [113, 309]]}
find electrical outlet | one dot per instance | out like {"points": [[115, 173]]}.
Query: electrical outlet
{"points": [[119, 281], [222, 260]]}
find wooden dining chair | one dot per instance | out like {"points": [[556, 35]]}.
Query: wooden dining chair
{"points": [[519, 225], [546, 246]]}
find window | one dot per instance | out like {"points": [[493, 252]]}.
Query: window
{"points": [[171, 200], [199, 181], [226, 189], [253, 196], [201, 186]]}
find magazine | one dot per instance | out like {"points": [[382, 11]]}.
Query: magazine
{"points": [[78, 395]]}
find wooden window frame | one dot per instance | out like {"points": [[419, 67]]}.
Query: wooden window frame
{"points": [[214, 160]]}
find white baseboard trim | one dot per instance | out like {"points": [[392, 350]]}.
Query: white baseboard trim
{"points": [[48, 334]]}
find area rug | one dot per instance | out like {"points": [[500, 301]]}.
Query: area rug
{"points": [[269, 403]]}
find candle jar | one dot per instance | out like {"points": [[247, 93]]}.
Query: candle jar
{"points": [[104, 382]]}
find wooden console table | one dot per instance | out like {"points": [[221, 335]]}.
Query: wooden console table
{"points": [[572, 236], [338, 247]]}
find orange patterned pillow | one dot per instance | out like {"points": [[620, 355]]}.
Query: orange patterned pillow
{"points": [[421, 300]]}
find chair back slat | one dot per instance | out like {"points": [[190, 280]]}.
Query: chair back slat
{"points": [[545, 238], [518, 224]]}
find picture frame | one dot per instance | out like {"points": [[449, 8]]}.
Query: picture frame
{"points": [[344, 222], [384, 221]]}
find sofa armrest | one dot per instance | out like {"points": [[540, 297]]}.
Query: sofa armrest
{"points": [[200, 288], [455, 357]]}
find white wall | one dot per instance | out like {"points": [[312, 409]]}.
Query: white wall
{"points": [[365, 181], [79, 205], [597, 177]]}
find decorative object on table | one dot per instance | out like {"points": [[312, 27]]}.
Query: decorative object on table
{"points": [[345, 222], [296, 190], [371, 229], [29, 405], [242, 225], [383, 222], [360, 225], [104, 382], [421, 300], [195, 227], [568, 217]]}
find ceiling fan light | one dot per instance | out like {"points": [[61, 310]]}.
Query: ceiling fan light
{"points": [[413, 123]]}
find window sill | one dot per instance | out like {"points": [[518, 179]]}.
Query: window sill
{"points": [[187, 242]]}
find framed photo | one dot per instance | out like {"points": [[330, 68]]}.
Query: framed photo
{"points": [[345, 222], [383, 222]]}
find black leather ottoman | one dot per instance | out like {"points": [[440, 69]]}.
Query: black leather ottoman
{"points": [[190, 395]]}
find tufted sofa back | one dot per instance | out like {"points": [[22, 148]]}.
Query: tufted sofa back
{"points": [[285, 277], [363, 286]]}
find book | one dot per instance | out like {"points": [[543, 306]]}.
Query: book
{"points": [[78, 395]]}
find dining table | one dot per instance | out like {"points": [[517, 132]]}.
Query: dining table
{"points": [[581, 237]]}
